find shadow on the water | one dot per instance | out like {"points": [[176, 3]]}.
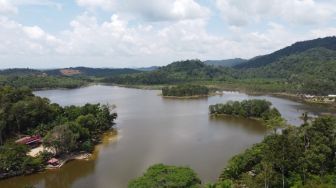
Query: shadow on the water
{"points": [[250, 125]]}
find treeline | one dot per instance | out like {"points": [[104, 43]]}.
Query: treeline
{"points": [[185, 90], [174, 73], [64, 129], [253, 108], [297, 157], [43, 82]]}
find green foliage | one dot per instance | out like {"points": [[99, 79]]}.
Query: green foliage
{"points": [[307, 67], [253, 108], [185, 90], [328, 43], [177, 72], [14, 160], [309, 72], [298, 157], [162, 176], [42, 82], [65, 129]]}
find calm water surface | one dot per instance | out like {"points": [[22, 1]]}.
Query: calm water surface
{"points": [[152, 130]]}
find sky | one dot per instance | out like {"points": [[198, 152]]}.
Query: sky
{"points": [[141, 33]]}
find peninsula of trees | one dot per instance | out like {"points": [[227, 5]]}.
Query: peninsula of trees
{"points": [[64, 130], [185, 91]]}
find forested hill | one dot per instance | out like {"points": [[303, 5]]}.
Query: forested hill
{"points": [[19, 72], [312, 71], [72, 71], [259, 61], [177, 72], [226, 62], [85, 71]]}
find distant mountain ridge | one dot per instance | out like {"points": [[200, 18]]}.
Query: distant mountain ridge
{"points": [[298, 47], [72, 71], [225, 62]]}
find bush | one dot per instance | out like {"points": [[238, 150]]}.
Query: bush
{"points": [[162, 176]]}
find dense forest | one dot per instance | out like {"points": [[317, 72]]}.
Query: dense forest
{"points": [[226, 62], [65, 129], [174, 73], [299, 47], [297, 157], [43, 82], [185, 91]]}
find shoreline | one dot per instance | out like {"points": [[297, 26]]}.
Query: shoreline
{"points": [[292, 96], [190, 97], [64, 159]]}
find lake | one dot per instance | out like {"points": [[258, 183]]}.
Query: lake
{"points": [[151, 129]]}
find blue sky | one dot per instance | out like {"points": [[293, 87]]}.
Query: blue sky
{"points": [[138, 33]]}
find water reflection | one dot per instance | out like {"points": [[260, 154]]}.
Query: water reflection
{"points": [[250, 125]]}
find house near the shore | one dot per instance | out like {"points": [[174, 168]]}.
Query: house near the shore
{"points": [[53, 162], [30, 140]]}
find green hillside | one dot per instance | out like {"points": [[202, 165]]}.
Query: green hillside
{"points": [[177, 72], [327, 42], [312, 71], [226, 62]]}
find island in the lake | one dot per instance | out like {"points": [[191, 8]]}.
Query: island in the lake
{"points": [[185, 91], [254, 108]]}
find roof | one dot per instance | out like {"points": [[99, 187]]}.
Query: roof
{"points": [[53, 160], [29, 139]]}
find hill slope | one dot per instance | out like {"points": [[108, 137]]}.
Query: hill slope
{"points": [[226, 62], [328, 43], [312, 71], [85, 71], [177, 72]]}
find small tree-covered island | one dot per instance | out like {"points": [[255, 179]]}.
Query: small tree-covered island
{"points": [[254, 108], [185, 91], [35, 134]]}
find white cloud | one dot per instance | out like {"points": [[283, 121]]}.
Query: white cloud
{"points": [[125, 41], [7, 7], [151, 10], [17, 39], [243, 12], [329, 31]]}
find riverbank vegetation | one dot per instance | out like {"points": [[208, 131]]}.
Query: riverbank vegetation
{"points": [[185, 91], [65, 130], [297, 157]]}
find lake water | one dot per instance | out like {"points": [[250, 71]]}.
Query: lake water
{"points": [[151, 129]]}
